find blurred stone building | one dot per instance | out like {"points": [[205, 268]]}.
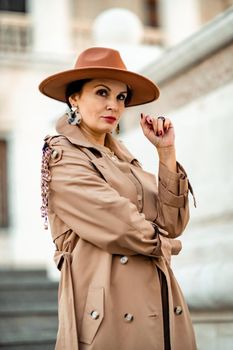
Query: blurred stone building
{"points": [[186, 47]]}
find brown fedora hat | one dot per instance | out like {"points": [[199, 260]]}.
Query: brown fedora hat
{"points": [[99, 62]]}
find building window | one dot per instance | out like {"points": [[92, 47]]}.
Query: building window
{"points": [[4, 220], [151, 13], [13, 5]]}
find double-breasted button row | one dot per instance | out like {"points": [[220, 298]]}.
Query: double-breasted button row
{"points": [[178, 310], [95, 315], [128, 317], [124, 260]]}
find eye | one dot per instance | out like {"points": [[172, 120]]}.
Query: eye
{"points": [[102, 92], [121, 97]]}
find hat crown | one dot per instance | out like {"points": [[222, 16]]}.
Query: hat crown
{"points": [[100, 57]]}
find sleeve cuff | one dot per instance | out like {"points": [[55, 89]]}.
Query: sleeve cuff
{"points": [[173, 187]]}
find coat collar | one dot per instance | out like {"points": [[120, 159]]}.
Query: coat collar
{"points": [[75, 136]]}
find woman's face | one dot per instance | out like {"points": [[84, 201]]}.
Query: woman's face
{"points": [[101, 103]]}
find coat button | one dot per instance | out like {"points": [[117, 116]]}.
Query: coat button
{"points": [[54, 154], [95, 315], [113, 157], [128, 317], [178, 310], [124, 260]]}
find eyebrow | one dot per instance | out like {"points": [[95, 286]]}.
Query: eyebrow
{"points": [[121, 92]]}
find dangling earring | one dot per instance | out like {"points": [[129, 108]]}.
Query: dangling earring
{"points": [[118, 129], [74, 117]]}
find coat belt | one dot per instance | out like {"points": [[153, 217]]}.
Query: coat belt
{"points": [[67, 336]]}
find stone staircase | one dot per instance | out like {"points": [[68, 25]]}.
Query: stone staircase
{"points": [[28, 310]]}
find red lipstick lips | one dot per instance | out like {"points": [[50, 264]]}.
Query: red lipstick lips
{"points": [[109, 119]]}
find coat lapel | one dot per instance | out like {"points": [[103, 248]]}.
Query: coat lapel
{"points": [[76, 137]]}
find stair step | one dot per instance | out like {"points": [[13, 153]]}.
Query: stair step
{"points": [[30, 346], [12, 274], [27, 283], [36, 329], [28, 310], [25, 309], [13, 294]]}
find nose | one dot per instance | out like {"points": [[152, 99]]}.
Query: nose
{"points": [[112, 105]]}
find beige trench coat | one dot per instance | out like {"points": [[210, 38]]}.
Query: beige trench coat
{"points": [[110, 255]]}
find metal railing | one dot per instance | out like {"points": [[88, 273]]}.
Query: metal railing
{"points": [[16, 33]]}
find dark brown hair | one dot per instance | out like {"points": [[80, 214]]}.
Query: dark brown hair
{"points": [[75, 87]]}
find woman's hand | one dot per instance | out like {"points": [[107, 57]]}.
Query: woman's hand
{"points": [[159, 131]]}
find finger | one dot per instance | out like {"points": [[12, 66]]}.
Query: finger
{"points": [[161, 126], [167, 124], [143, 120], [146, 127], [149, 119], [149, 122], [155, 125], [149, 126]]}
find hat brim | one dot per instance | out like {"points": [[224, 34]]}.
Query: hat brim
{"points": [[143, 89]]}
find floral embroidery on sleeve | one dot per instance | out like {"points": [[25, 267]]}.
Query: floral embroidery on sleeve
{"points": [[45, 179]]}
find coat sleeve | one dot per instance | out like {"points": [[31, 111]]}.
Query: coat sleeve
{"points": [[89, 206], [172, 204]]}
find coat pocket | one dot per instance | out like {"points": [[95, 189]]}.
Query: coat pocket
{"points": [[93, 314]]}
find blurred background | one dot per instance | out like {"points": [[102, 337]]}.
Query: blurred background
{"points": [[185, 46]]}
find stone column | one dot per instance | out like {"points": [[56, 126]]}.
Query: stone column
{"points": [[51, 26], [179, 19]]}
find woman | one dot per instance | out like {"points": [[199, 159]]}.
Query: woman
{"points": [[113, 229]]}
